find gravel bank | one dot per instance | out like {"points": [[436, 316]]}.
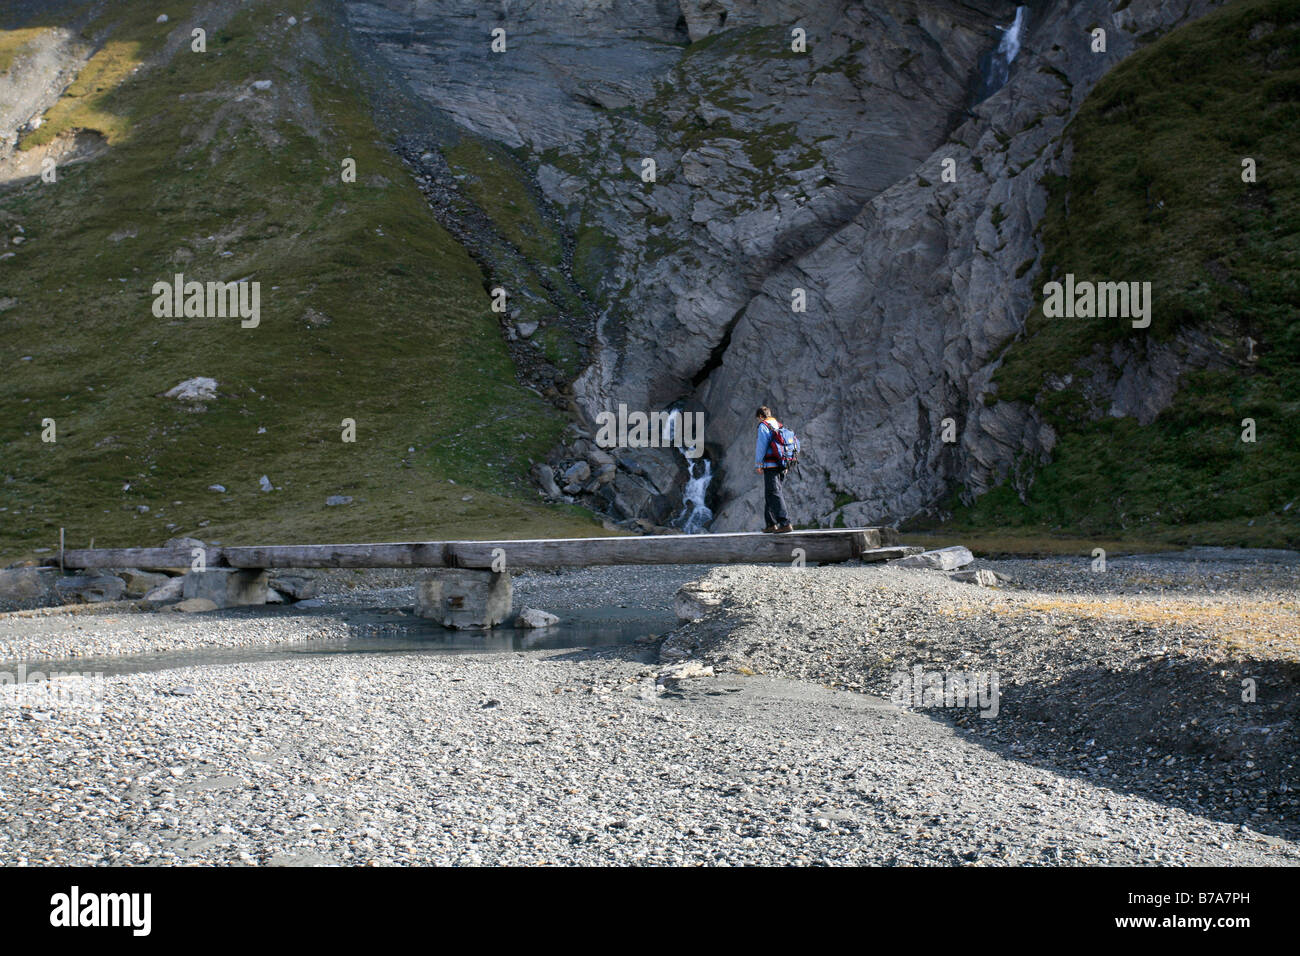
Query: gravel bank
{"points": [[555, 757], [1118, 739], [1132, 678]]}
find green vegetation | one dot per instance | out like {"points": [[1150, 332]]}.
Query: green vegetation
{"points": [[496, 184], [90, 101], [766, 42], [561, 350], [13, 43], [1155, 193], [369, 311]]}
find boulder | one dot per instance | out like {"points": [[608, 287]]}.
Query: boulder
{"points": [[140, 583], [695, 600], [660, 467], [684, 670], [171, 590], [577, 473], [28, 587], [90, 588], [984, 577], [297, 587], [194, 390], [634, 496], [942, 559], [595, 455], [545, 479], [532, 617]]}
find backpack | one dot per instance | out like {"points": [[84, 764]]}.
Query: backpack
{"points": [[782, 445]]}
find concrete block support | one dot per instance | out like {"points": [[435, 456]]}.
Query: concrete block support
{"points": [[464, 598], [227, 587]]}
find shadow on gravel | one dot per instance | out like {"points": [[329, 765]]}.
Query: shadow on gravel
{"points": [[1171, 731], [636, 653]]}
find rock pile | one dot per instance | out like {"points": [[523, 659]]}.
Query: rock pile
{"points": [[635, 489]]}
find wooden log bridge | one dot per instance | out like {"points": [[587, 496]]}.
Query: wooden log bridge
{"points": [[468, 584], [831, 545]]}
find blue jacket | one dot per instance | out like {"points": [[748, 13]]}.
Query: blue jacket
{"points": [[763, 445]]}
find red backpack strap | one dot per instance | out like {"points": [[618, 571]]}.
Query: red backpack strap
{"points": [[774, 443]]}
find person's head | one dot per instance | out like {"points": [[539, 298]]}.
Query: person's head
{"points": [[764, 412]]}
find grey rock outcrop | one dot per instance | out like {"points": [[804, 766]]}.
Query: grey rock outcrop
{"points": [[780, 173], [920, 292]]}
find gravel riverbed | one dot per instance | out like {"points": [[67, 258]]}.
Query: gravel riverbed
{"points": [[1121, 736]]}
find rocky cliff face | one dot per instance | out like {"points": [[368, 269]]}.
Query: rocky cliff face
{"points": [[780, 173]]}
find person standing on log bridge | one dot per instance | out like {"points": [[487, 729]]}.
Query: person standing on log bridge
{"points": [[776, 450]]}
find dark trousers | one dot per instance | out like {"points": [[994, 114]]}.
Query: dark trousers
{"points": [[773, 501]]}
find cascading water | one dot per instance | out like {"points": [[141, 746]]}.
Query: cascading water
{"points": [[997, 65], [695, 515]]}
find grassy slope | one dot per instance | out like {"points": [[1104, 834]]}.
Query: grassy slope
{"points": [[1170, 126], [411, 350]]}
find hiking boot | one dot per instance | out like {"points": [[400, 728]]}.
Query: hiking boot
{"points": [[784, 528], [769, 529]]}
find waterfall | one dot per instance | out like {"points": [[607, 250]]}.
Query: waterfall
{"points": [[997, 68], [695, 515]]}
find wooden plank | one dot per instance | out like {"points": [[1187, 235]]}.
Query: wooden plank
{"points": [[739, 548], [143, 558], [412, 554], [749, 547]]}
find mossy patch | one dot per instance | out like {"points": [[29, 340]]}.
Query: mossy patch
{"points": [[494, 180]]}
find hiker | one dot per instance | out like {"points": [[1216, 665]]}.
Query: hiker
{"points": [[776, 450]]}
